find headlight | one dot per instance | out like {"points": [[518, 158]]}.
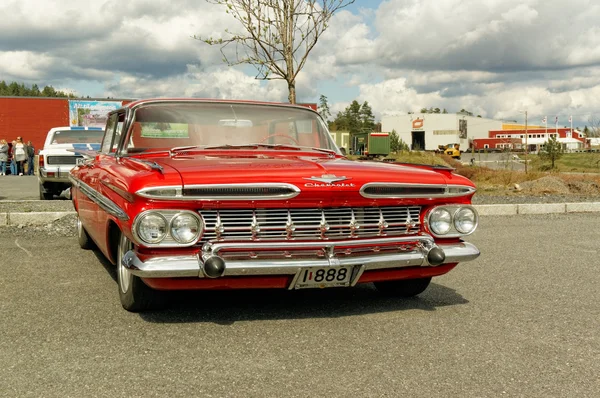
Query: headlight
{"points": [[465, 220], [152, 228], [185, 228], [440, 221]]}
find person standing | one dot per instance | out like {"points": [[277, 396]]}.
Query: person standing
{"points": [[13, 162], [20, 155], [3, 156], [30, 157]]}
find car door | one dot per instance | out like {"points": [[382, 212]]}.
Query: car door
{"points": [[91, 212]]}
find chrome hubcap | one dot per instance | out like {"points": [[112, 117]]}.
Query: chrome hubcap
{"points": [[125, 277]]}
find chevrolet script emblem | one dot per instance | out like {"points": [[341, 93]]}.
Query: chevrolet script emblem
{"points": [[328, 178]]}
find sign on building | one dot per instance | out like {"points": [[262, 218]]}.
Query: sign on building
{"points": [[462, 128], [91, 113]]}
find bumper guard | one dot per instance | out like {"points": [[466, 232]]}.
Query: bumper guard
{"points": [[170, 266]]}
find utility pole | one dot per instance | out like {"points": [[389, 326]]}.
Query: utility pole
{"points": [[526, 146]]}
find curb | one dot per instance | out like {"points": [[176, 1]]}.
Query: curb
{"points": [[37, 218], [537, 208], [33, 218]]}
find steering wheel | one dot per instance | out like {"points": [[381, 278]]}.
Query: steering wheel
{"points": [[280, 135]]}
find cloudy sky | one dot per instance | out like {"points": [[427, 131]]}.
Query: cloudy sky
{"points": [[495, 58]]}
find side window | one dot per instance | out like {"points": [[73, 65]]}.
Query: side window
{"points": [[118, 132], [109, 134], [112, 136]]}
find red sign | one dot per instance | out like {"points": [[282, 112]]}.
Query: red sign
{"points": [[417, 123]]}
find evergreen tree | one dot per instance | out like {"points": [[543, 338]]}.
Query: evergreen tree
{"points": [[366, 116], [552, 150], [324, 108], [355, 118]]}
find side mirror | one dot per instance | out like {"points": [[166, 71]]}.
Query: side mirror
{"points": [[343, 151]]}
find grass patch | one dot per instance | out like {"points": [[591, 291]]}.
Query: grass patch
{"points": [[494, 182], [416, 157], [502, 181], [585, 162]]}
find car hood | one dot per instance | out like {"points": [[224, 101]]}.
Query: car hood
{"points": [[305, 172]]}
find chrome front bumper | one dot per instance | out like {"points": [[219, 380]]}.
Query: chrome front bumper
{"points": [[193, 265]]}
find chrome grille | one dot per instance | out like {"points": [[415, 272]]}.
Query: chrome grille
{"points": [[69, 160], [310, 224]]}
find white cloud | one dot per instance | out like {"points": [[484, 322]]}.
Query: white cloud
{"points": [[492, 57]]}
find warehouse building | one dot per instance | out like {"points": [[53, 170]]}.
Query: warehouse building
{"points": [[572, 140], [427, 131]]}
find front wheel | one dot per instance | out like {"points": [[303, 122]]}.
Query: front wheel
{"points": [[404, 287], [134, 294]]}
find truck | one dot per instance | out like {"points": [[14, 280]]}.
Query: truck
{"points": [[62, 151], [371, 144], [452, 150]]}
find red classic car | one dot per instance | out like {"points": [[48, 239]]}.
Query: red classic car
{"points": [[214, 194]]}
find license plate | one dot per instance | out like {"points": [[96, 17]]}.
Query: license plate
{"points": [[322, 277]]}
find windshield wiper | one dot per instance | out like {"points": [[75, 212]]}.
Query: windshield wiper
{"points": [[185, 148], [254, 146]]}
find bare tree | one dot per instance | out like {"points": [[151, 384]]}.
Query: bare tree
{"points": [[277, 35], [594, 129]]}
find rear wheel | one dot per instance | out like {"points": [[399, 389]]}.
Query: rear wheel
{"points": [[404, 287], [134, 294], [85, 242]]}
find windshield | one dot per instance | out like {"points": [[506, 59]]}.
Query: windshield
{"points": [[77, 136], [225, 126]]}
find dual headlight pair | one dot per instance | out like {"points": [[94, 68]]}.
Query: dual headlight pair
{"points": [[168, 227], [451, 221]]}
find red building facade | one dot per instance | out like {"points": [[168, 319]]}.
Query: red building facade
{"points": [[32, 117], [517, 139]]}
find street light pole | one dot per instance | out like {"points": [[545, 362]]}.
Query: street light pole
{"points": [[526, 146]]}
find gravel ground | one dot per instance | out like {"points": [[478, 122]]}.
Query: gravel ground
{"points": [[65, 226], [516, 198], [29, 206]]}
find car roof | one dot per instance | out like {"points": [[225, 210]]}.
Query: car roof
{"points": [[209, 100], [76, 128]]}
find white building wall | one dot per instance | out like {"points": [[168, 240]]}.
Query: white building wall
{"points": [[439, 129]]}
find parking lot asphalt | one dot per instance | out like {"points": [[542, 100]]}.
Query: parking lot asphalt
{"points": [[520, 321], [19, 187]]}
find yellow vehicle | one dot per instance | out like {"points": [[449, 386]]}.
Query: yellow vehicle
{"points": [[452, 150]]}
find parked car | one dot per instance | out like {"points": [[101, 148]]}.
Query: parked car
{"points": [[62, 150], [205, 194]]}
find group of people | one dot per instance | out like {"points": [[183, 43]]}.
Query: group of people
{"points": [[21, 153]]}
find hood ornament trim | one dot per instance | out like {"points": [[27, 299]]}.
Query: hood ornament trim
{"points": [[328, 178]]}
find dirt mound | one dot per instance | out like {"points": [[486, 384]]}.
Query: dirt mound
{"points": [[584, 187], [546, 185]]}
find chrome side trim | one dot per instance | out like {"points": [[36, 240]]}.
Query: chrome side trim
{"points": [[105, 203], [191, 266], [74, 181], [149, 164], [400, 190], [179, 192]]}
